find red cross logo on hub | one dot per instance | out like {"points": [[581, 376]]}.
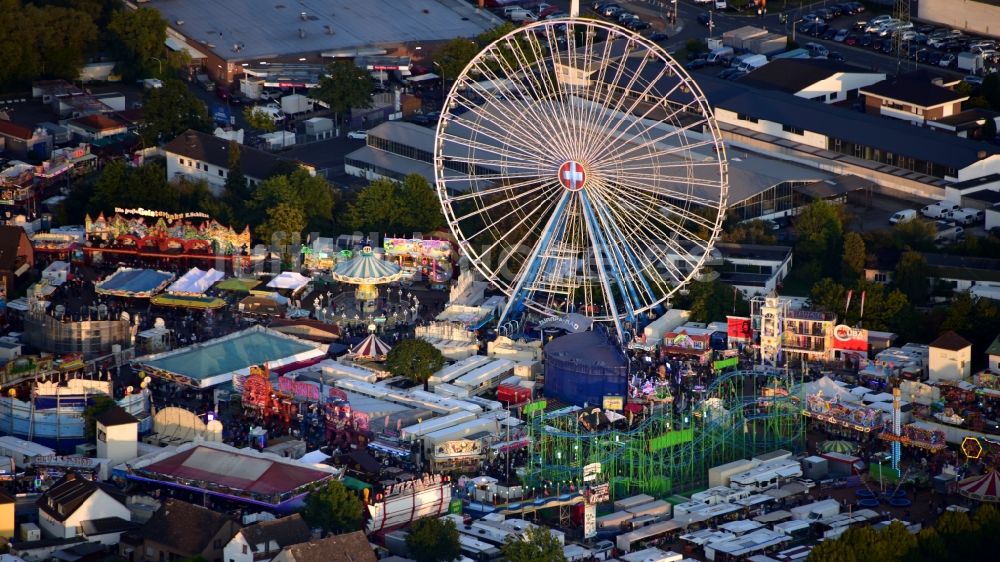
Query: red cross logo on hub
{"points": [[572, 175]]}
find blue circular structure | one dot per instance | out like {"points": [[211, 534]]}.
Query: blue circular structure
{"points": [[584, 368]]}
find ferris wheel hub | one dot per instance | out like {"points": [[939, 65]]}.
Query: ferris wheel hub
{"points": [[572, 175]]}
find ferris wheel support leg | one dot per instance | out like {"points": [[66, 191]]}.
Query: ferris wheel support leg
{"points": [[598, 244], [517, 296], [625, 254]]}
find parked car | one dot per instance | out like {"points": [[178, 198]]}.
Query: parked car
{"points": [[973, 80], [358, 135], [851, 39], [840, 35], [905, 215], [948, 60]]}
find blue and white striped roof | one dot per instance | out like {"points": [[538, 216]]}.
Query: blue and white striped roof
{"points": [[368, 268]]}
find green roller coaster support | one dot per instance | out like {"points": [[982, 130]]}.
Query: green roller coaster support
{"points": [[741, 414]]}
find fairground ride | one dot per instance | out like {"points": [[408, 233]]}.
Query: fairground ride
{"points": [[742, 414], [581, 169]]}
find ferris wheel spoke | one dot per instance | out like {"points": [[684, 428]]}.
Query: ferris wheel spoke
{"points": [[655, 224], [620, 189], [663, 135], [474, 129], [541, 188], [541, 92], [524, 143], [565, 88], [542, 211], [632, 266], [589, 117], [640, 152], [511, 187]]}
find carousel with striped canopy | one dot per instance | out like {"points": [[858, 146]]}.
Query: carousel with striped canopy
{"points": [[371, 348], [367, 270]]}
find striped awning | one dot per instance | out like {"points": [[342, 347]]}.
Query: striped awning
{"points": [[368, 268], [371, 348], [985, 488]]}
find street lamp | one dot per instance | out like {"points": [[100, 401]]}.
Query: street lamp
{"points": [[441, 74], [794, 24], [159, 65]]}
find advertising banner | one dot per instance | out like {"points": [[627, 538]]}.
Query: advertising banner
{"points": [[847, 338], [738, 327]]}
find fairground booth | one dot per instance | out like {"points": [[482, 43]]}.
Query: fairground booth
{"points": [[421, 259], [244, 477], [144, 235]]}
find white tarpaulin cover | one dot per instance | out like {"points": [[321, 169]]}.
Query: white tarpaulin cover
{"points": [[195, 282], [292, 280]]}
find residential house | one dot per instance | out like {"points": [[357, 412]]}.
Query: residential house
{"points": [[949, 358], [972, 123], [993, 352], [264, 540], [814, 79], [16, 258], [23, 142], [180, 530], [979, 276], [201, 156], [75, 505], [349, 547], [95, 126], [913, 98]]}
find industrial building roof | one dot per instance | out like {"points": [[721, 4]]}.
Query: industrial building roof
{"points": [[253, 29]]}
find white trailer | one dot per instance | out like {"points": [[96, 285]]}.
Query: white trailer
{"points": [[767, 476], [294, 104], [449, 373], [720, 475], [656, 508], [486, 377], [633, 501], [816, 510]]}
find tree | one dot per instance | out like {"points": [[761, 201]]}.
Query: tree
{"points": [[853, 259], [414, 359], [170, 110], [539, 545], [433, 540], [98, 406], [343, 87], [236, 188], [912, 277], [60, 38], [423, 208], [110, 186], [283, 228], [259, 119], [332, 507], [316, 197], [139, 37], [377, 207], [454, 56], [714, 300], [991, 89], [916, 234], [820, 230], [749, 232]]}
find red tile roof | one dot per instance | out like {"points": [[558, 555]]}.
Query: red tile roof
{"points": [[97, 122], [14, 130]]}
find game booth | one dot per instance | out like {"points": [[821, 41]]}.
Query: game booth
{"points": [[422, 259]]}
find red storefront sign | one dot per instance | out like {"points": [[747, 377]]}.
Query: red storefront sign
{"points": [[738, 327], [847, 338]]}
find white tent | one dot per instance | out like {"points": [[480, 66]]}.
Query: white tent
{"points": [[829, 388], [291, 280], [195, 282]]}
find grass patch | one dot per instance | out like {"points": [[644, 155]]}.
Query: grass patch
{"points": [[238, 285]]}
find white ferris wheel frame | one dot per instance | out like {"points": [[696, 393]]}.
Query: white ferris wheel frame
{"points": [[576, 158]]}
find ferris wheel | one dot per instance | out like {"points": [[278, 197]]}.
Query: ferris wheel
{"points": [[581, 170]]}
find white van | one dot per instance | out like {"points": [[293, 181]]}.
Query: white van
{"points": [[518, 14], [948, 232], [720, 5], [966, 216], [717, 56], [938, 210], [906, 215], [752, 62]]}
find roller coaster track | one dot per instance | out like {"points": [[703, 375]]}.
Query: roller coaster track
{"points": [[728, 424]]}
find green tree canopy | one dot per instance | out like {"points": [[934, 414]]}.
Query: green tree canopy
{"points": [[122, 186], [394, 207], [423, 208], [820, 230], [713, 301], [454, 55], [170, 110], [283, 228], [749, 232], [332, 507], [539, 545], [139, 37], [853, 258], [912, 277], [344, 87], [917, 234], [259, 119], [414, 359], [236, 190], [433, 540], [98, 406]]}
